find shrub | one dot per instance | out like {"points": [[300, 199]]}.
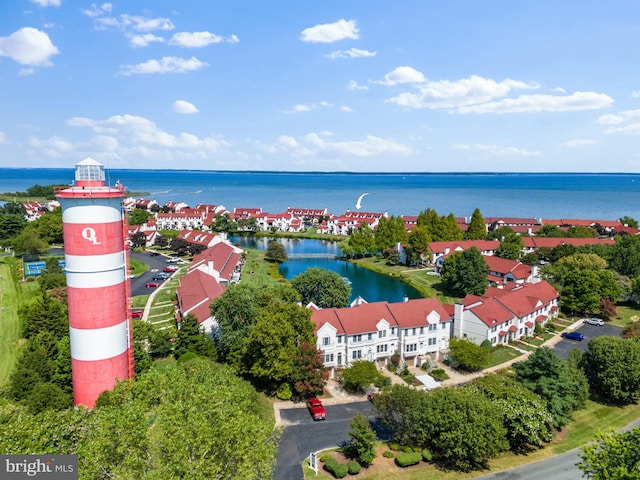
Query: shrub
{"points": [[353, 467], [486, 344], [383, 381], [427, 455], [391, 367], [388, 454], [407, 459], [407, 449], [284, 392], [325, 457], [395, 446], [335, 468], [438, 374], [551, 327]]}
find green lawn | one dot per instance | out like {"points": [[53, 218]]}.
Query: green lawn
{"points": [[501, 355], [13, 294]]}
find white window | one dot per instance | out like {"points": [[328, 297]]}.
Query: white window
{"points": [[339, 338], [326, 340], [421, 330], [328, 358], [356, 338], [413, 332], [356, 354], [432, 341], [382, 333], [411, 347], [433, 327], [370, 337], [382, 348]]}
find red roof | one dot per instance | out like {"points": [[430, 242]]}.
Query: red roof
{"points": [[196, 292], [540, 318], [513, 328], [414, 313], [529, 324]]}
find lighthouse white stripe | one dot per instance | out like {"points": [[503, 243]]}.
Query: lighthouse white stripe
{"points": [[98, 343], [92, 213], [95, 279], [94, 263]]}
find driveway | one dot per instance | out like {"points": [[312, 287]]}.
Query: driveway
{"points": [[302, 435], [155, 263]]}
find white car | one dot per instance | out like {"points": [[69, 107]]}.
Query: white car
{"points": [[594, 321]]}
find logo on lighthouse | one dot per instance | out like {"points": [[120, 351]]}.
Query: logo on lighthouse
{"points": [[90, 235]]}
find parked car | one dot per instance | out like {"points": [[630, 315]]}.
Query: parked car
{"points": [[316, 409], [152, 285], [154, 254], [572, 336], [173, 260], [137, 313], [594, 321], [169, 269], [159, 278]]}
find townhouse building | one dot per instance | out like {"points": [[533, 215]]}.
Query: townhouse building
{"points": [[505, 314], [375, 331]]}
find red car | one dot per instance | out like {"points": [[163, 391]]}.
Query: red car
{"points": [[169, 269], [137, 313], [152, 285], [316, 409]]}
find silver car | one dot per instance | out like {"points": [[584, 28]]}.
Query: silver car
{"points": [[594, 321]]}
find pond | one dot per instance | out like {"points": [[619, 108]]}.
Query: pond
{"points": [[308, 253]]}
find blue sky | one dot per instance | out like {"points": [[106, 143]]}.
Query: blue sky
{"points": [[332, 85]]}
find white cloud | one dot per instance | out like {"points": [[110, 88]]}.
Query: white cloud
{"points": [[579, 142], [131, 131], [28, 46], [351, 53], [144, 24], [635, 94], [164, 65], [402, 75], [47, 3], [347, 109], [307, 108], [144, 40], [199, 39], [496, 151], [3, 138], [25, 72], [182, 106], [577, 101], [331, 32], [315, 145], [353, 85], [54, 147], [627, 122], [98, 10]]}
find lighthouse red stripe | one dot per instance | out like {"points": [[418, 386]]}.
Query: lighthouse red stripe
{"points": [[93, 238], [90, 379], [97, 307]]}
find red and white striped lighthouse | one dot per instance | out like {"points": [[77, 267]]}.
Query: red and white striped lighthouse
{"points": [[97, 288]]}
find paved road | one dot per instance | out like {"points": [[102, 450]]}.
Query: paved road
{"points": [[564, 346], [302, 435], [156, 264]]}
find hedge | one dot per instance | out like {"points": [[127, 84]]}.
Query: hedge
{"points": [[353, 467], [427, 455], [407, 459]]}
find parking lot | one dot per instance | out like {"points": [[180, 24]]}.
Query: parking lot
{"points": [[564, 346]]}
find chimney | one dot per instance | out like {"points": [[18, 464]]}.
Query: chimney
{"points": [[458, 315]]}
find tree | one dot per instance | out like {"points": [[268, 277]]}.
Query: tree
{"points": [[629, 221], [52, 275], [583, 280], [548, 375], [14, 208], [468, 356], [138, 216], [363, 439], [476, 230], [138, 240], [224, 223], [441, 228], [248, 224], [614, 455], [510, 247], [360, 375], [28, 242], [580, 231], [390, 232], [275, 252], [524, 413], [44, 314], [11, 225], [308, 375], [550, 231], [190, 338], [49, 226], [417, 244], [625, 255], [466, 272], [614, 368], [360, 242], [235, 311], [324, 288]]}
